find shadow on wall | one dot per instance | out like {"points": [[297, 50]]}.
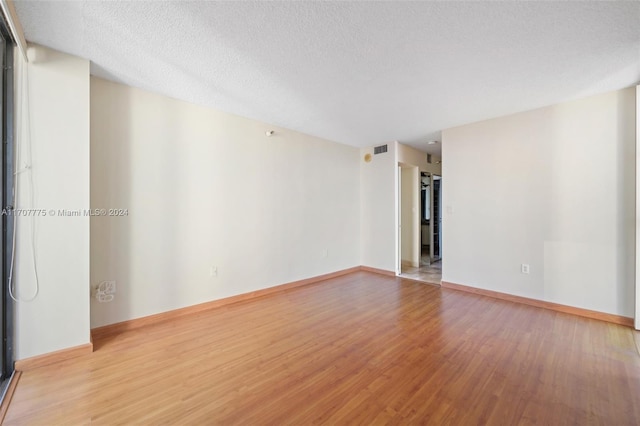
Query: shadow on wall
{"points": [[626, 190], [145, 225]]}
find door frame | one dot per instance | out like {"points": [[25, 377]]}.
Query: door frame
{"points": [[8, 223], [436, 215]]}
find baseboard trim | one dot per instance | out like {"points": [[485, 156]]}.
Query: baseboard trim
{"points": [[53, 357], [4, 407], [120, 327], [587, 313], [378, 271], [98, 332]]}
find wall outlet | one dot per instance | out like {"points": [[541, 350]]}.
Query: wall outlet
{"points": [[109, 287], [325, 253], [213, 271], [524, 268], [104, 292]]}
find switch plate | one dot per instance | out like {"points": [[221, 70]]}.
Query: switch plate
{"points": [[524, 268]]}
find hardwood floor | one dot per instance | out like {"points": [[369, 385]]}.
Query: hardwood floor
{"points": [[361, 348]]}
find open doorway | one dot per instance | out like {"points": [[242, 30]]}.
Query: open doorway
{"points": [[429, 267]]}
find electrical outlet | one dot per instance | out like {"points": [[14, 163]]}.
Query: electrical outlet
{"points": [[325, 253], [109, 287], [104, 298], [213, 271], [524, 268], [104, 291]]}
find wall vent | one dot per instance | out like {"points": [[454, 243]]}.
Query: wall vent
{"points": [[379, 149], [429, 158]]}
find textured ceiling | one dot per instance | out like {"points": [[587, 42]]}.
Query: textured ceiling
{"points": [[359, 73]]}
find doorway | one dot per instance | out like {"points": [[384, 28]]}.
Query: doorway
{"points": [[426, 268]]}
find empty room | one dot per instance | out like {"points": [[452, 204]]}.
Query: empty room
{"points": [[320, 212]]}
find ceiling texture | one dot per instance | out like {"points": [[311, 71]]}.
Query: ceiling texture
{"points": [[358, 73]]}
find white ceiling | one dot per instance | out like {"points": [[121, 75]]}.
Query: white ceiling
{"points": [[359, 73]]}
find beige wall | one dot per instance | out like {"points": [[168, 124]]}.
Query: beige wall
{"points": [[410, 215], [378, 210], [204, 190], [56, 124], [553, 188], [411, 156]]}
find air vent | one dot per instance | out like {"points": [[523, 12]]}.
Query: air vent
{"points": [[429, 158], [379, 149]]}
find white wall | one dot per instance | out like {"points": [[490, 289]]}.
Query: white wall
{"points": [[208, 189], [553, 188], [411, 156], [378, 209], [58, 94], [410, 217]]}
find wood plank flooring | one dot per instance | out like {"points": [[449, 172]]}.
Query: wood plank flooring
{"points": [[361, 348]]}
